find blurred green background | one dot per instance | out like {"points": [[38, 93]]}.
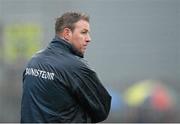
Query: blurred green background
{"points": [[135, 50]]}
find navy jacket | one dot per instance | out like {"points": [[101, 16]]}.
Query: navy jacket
{"points": [[58, 86]]}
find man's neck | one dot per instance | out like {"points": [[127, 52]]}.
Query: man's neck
{"points": [[60, 36]]}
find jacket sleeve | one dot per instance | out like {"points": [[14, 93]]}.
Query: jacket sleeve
{"points": [[91, 94]]}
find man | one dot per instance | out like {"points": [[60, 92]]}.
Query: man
{"points": [[58, 86]]}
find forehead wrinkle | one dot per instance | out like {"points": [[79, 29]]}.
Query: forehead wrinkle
{"points": [[82, 23]]}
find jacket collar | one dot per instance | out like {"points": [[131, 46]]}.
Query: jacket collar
{"points": [[62, 44]]}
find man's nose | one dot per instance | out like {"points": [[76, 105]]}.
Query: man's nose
{"points": [[88, 38]]}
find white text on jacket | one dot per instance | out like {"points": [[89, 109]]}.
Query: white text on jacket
{"points": [[39, 73]]}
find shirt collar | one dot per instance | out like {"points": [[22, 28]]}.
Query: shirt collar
{"points": [[62, 44]]}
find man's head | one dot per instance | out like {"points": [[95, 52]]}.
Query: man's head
{"points": [[74, 28]]}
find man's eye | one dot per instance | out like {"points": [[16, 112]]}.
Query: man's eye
{"points": [[83, 32]]}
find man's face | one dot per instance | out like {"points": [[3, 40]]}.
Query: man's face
{"points": [[80, 36]]}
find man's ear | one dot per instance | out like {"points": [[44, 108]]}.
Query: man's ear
{"points": [[67, 33]]}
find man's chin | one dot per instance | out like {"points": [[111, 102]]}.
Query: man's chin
{"points": [[81, 53]]}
